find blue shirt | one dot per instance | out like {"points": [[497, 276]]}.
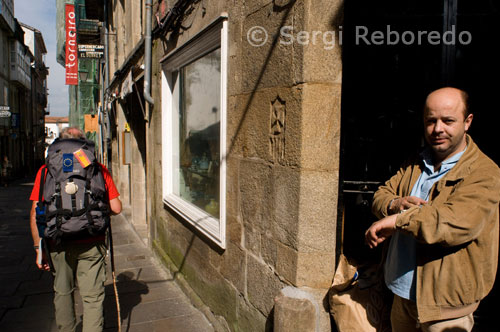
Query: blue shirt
{"points": [[401, 263]]}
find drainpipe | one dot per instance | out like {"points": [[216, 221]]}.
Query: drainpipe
{"points": [[106, 114], [147, 54], [106, 50]]}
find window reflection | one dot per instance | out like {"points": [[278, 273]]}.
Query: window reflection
{"points": [[199, 133]]}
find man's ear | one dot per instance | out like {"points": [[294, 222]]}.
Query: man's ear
{"points": [[468, 121]]}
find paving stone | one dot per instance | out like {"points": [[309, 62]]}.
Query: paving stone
{"points": [[144, 312], [9, 260], [131, 249], [123, 262], [11, 302], [40, 325], [35, 286], [191, 323], [13, 269], [136, 258], [45, 299], [8, 289], [33, 313], [20, 276]]}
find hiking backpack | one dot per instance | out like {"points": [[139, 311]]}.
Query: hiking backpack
{"points": [[74, 202]]}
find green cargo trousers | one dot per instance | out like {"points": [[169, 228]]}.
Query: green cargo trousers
{"points": [[84, 262]]}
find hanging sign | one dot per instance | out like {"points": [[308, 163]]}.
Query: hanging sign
{"points": [[91, 51], [91, 123], [71, 47]]}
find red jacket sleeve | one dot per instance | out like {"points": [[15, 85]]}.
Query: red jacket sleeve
{"points": [[110, 184], [36, 186]]}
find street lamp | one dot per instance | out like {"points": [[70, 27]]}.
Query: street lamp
{"points": [[84, 76]]}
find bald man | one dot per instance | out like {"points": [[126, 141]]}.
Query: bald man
{"points": [[440, 216]]}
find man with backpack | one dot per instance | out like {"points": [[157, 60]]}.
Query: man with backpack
{"points": [[73, 198]]}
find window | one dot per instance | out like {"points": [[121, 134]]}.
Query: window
{"points": [[194, 130]]}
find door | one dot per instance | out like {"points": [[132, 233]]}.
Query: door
{"points": [[384, 89]]}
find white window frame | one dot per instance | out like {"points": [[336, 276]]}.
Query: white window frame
{"points": [[214, 36]]}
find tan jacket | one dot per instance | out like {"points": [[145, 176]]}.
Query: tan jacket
{"points": [[457, 232]]}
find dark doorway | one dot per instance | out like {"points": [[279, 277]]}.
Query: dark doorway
{"points": [[384, 87]]}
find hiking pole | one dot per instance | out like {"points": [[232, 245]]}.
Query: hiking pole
{"points": [[112, 258]]}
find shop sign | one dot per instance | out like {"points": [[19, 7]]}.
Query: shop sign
{"points": [[91, 51], [71, 47], [91, 123], [5, 112]]}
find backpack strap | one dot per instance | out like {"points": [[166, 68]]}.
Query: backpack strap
{"points": [[41, 219], [73, 198], [59, 215], [86, 199]]}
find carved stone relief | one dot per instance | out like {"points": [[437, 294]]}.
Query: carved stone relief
{"points": [[277, 131]]}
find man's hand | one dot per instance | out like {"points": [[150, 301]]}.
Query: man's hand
{"points": [[45, 265], [404, 203], [379, 231]]}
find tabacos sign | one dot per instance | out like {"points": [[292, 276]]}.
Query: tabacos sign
{"points": [[71, 47]]}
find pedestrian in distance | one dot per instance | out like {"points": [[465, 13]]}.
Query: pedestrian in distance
{"points": [[440, 213], [5, 171], [72, 200]]}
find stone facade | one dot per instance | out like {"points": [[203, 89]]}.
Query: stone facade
{"points": [[283, 138], [23, 92]]}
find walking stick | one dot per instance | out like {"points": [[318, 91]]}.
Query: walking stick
{"points": [[112, 257]]}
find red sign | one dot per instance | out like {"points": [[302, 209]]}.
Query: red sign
{"points": [[71, 47]]}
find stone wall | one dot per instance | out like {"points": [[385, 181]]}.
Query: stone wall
{"points": [[126, 30], [282, 165]]}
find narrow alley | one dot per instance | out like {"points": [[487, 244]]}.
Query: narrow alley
{"points": [[150, 300]]}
